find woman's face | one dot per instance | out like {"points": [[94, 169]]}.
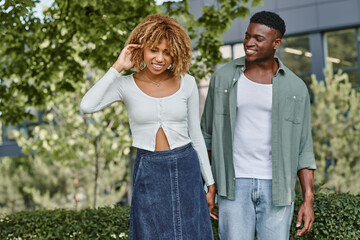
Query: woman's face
{"points": [[158, 59]]}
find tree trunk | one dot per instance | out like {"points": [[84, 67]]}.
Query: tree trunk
{"points": [[76, 185], [97, 180]]}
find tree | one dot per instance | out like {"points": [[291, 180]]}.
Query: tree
{"points": [[48, 64], [71, 155], [336, 135], [39, 53]]}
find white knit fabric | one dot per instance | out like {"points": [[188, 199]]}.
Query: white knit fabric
{"points": [[252, 136], [177, 114]]}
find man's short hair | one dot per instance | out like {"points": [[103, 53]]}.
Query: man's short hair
{"points": [[269, 19]]}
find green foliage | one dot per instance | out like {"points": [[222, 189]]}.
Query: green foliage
{"points": [[43, 57], [101, 223], [336, 135], [336, 217], [34, 184], [71, 160]]}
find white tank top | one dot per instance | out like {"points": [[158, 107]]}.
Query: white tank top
{"points": [[177, 114], [252, 136]]}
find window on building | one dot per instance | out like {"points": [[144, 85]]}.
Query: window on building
{"points": [[295, 54], [238, 50], [226, 52], [342, 51]]}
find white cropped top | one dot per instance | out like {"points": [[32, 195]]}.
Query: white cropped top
{"points": [[177, 114]]}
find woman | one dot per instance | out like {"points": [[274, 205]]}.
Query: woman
{"points": [[162, 101]]}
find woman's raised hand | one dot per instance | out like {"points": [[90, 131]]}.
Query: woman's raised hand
{"points": [[124, 60]]}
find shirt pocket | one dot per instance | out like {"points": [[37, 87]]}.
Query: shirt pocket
{"points": [[221, 101], [293, 109]]}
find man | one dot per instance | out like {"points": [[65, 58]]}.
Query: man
{"points": [[257, 128]]}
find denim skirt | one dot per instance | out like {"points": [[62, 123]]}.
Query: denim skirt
{"points": [[168, 200]]}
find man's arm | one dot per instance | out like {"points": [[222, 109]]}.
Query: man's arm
{"points": [[306, 210], [206, 123], [206, 128]]}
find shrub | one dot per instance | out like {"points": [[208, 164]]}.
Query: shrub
{"points": [[335, 115], [337, 216], [101, 223]]}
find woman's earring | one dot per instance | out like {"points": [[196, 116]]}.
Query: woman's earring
{"points": [[171, 67]]}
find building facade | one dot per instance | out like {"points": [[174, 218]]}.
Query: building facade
{"points": [[318, 32]]}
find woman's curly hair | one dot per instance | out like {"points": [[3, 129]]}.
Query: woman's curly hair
{"points": [[149, 34]]}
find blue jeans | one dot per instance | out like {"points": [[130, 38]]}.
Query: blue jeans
{"points": [[253, 211]]}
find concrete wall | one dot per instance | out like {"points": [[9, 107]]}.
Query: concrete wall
{"points": [[300, 16]]}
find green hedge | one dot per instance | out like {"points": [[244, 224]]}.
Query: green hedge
{"points": [[337, 216], [101, 223]]}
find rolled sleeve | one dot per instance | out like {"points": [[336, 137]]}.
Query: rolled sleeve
{"points": [[306, 153], [307, 160]]}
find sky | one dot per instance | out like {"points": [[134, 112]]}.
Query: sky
{"points": [[42, 3], [39, 7]]}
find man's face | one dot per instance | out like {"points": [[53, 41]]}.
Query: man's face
{"points": [[260, 42]]}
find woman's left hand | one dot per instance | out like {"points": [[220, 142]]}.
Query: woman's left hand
{"points": [[210, 198]]}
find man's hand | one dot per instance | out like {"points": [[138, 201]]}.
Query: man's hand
{"points": [[306, 210], [306, 213], [210, 198]]}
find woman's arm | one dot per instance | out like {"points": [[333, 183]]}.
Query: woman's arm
{"points": [[108, 89], [199, 144], [197, 137]]}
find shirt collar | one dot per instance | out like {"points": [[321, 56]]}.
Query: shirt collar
{"points": [[240, 62]]}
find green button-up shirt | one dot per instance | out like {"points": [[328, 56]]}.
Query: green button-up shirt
{"points": [[292, 147]]}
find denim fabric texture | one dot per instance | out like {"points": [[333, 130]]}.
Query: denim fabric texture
{"points": [[168, 200], [253, 211]]}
